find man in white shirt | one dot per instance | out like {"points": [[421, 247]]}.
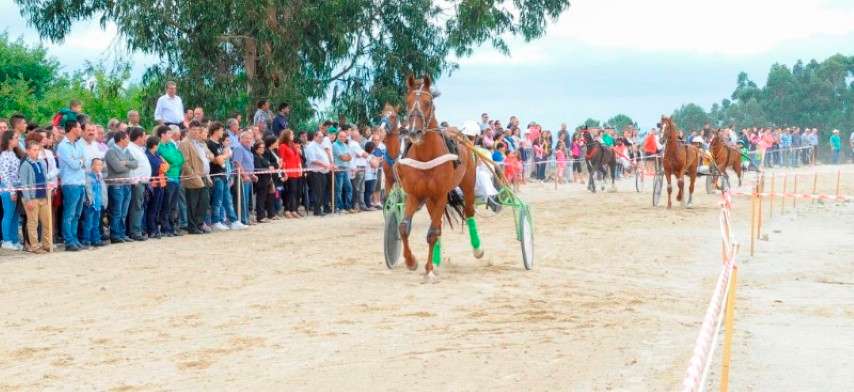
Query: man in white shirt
{"points": [[318, 165], [358, 166], [170, 108], [139, 181], [92, 148]]}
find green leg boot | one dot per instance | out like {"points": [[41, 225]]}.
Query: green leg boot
{"points": [[474, 237]]}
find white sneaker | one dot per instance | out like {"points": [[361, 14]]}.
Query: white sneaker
{"points": [[19, 246], [238, 226], [219, 227], [6, 245]]}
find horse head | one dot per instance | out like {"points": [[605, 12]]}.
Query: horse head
{"points": [[421, 113], [668, 129]]}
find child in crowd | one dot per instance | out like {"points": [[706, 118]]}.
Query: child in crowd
{"points": [[560, 157], [95, 202], [371, 175], [34, 180], [513, 169], [157, 187]]}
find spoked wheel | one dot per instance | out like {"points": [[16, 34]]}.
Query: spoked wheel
{"points": [[526, 237], [639, 180], [657, 184], [391, 241]]}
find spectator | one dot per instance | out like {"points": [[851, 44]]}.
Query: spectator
{"points": [[271, 154], [199, 115], [835, 146], [371, 175], [19, 126], [196, 177], [280, 122], [851, 144], [4, 125], [244, 162], [92, 148], [133, 119], [263, 119], [264, 188], [120, 164], [168, 150], [73, 179], [221, 203], [358, 167], [170, 108], [33, 178], [9, 168], [156, 187], [318, 164], [233, 131], [140, 177], [95, 202], [343, 187], [290, 154]]}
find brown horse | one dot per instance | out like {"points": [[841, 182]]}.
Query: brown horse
{"points": [[429, 176], [725, 156], [679, 159], [392, 143]]}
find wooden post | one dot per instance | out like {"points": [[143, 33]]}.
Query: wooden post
{"points": [[814, 185], [728, 331], [332, 190], [785, 189], [759, 189], [753, 219], [239, 198], [49, 215], [557, 170], [795, 191], [838, 189], [773, 189]]}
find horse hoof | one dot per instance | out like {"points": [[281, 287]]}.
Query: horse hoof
{"points": [[431, 278], [413, 266], [478, 253]]}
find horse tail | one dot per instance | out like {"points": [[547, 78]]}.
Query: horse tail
{"points": [[454, 210]]}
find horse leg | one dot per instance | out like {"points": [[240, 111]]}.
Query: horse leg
{"points": [[691, 187], [436, 209], [613, 176], [591, 182], [680, 182], [467, 186], [669, 189], [405, 229]]}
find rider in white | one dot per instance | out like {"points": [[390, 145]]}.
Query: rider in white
{"points": [[484, 185]]}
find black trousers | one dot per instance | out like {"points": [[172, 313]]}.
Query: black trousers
{"points": [[264, 200], [198, 204], [319, 190], [293, 191]]}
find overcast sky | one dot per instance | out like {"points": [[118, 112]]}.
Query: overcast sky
{"points": [[603, 57]]}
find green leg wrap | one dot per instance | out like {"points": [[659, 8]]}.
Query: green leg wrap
{"points": [[473, 236], [437, 252]]}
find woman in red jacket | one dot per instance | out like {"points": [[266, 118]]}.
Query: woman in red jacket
{"points": [[290, 154]]}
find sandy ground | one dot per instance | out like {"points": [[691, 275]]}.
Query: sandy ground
{"points": [[614, 303]]}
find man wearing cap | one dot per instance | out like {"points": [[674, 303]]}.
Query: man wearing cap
{"points": [[483, 185]]}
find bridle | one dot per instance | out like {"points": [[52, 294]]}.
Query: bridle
{"points": [[415, 111]]}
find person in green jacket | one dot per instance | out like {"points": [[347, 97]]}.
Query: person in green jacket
{"points": [[168, 150], [835, 146]]}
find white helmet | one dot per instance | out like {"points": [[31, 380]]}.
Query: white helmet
{"points": [[697, 139], [470, 128]]}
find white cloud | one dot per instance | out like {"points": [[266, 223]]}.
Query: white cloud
{"points": [[728, 27]]}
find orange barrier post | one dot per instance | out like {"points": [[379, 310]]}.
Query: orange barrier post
{"points": [[773, 189], [785, 188], [795, 191], [49, 215], [760, 189], [814, 185], [753, 218], [728, 331]]}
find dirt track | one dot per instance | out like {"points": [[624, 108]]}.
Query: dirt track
{"points": [[614, 303]]}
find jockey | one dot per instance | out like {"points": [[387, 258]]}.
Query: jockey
{"points": [[484, 188]]}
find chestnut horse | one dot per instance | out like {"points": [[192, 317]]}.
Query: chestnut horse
{"points": [[725, 156], [428, 175], [392, 144], [679, 159]]}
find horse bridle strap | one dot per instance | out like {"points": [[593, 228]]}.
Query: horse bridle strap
{"points": [[416, 111]]}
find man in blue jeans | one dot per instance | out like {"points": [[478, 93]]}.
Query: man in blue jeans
{"points": [[120, 163], [73, 177], [244, 162], [343, 187]]}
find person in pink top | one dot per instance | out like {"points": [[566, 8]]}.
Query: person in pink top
{"points": [[765, 143], [560, 157]]}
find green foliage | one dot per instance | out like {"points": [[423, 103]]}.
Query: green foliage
{"points": [[620, 122], [589, 123], [31, 84], [691, 116], [353, 55], [812, 95]]}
